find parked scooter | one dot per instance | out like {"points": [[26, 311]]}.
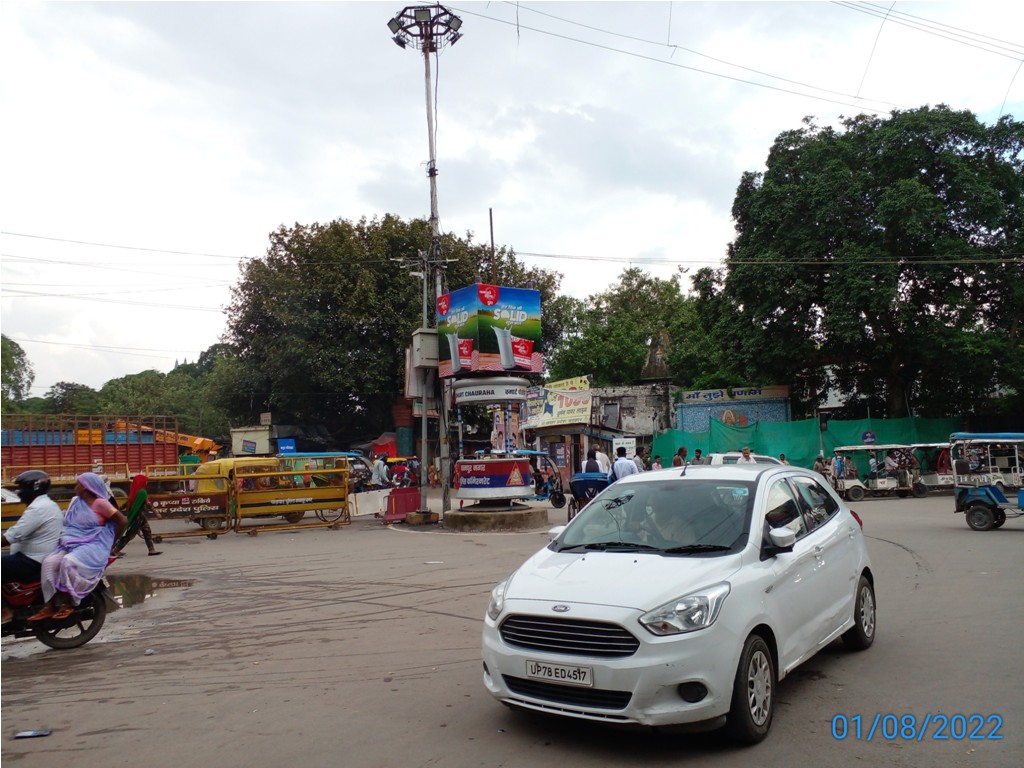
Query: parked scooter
{"points": [[72, 632]]}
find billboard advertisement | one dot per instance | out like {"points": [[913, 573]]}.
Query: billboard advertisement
{"points": [[489, 328], [560, 402]]}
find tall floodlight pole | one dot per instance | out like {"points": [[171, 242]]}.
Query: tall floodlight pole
{"points": [[428, 28]]}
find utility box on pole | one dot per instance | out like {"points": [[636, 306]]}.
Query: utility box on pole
{"points": [[424, 348]]}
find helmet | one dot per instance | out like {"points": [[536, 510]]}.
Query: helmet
{"points": [[32, 484]]}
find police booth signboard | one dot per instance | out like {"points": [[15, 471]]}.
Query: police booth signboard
{"points": [[489, 328]]}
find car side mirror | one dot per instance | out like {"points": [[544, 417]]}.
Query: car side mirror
{"points": [[782, 539], [555, 532]]}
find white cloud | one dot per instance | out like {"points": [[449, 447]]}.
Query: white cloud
{"points": [[202, 127]]}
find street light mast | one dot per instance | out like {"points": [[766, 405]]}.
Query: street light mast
{"points": [[428, 28]]}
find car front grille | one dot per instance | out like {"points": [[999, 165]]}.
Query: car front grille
{"points": [[569, 636], [595, 698]]}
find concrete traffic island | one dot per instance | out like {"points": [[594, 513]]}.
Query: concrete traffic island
{"points": [[490, 517]]}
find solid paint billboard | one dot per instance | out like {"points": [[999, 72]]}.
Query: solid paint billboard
{"points": [[489, 328]]}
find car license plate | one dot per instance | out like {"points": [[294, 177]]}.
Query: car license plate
{"points": [[560, 673]]}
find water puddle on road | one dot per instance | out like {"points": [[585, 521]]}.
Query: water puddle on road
{"points": [[131, 589]]}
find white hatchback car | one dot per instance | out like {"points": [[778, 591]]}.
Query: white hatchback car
{"points": [[682, 598]]}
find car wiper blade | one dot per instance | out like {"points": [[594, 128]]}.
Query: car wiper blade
{"points": [[632, 545], [698, 548]]}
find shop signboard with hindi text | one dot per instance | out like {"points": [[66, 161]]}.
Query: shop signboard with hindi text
{"points": [[559, 402]]}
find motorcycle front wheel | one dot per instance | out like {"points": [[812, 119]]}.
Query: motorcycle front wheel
{"points": [[78, 628]]}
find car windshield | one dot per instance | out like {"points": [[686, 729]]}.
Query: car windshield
{"points": [[675, 516]]}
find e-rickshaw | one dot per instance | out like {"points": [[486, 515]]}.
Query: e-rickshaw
{"points": [[997, 455], [935, 470], [877, 480], [979, 491], [547, 480]]}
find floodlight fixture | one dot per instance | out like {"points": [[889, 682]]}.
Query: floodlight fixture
{"points": [[425, 27]]}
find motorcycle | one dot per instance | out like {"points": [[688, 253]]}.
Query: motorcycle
{"points": [[73, 632]]}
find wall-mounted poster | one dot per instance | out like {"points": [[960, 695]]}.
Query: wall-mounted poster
{"points": [[560, 402], [489, 328]]}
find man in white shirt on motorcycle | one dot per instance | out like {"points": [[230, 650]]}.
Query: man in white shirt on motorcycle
{"points": [[36, 533]]}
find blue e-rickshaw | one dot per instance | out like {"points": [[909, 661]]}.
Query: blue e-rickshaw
{"points": [[979, 485]]}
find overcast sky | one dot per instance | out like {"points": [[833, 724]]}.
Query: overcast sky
{"points": [[150, 147]]}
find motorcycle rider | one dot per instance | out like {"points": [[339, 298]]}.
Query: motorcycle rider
{"points": [[400, 475], [35, 534]]}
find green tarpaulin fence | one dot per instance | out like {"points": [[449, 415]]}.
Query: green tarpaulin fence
{"points": [[801, 441]]}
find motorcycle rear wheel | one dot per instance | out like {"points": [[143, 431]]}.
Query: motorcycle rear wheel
{"points": [[76, 630]]}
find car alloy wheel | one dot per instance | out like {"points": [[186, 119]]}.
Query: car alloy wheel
{"points": [[753, 695]]}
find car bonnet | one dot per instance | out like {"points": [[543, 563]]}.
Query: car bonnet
{"points": [[640, 581]]}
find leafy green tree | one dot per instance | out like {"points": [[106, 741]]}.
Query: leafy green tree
{"points": [[69, 397], [696, 358], [182, 393], [608, 334], [16, 374], [886, 256], [319, 326]]}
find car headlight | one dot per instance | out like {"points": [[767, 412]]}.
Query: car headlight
{"points": [[689, 613], [497, 599]]}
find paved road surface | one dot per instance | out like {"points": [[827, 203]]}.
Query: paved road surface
{"points": [[360, 647]]}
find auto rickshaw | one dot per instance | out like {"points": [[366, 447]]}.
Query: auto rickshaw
{"points": [[979, 492], [854, 483]]}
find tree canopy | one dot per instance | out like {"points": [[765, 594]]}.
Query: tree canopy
{"points": [[610, 332], [16, 374], [885, 259], [319, 326]]}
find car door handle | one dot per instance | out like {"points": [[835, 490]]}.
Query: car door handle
{"points": [[819, 551]]}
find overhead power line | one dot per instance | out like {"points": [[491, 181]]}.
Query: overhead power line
{"points": [[116, 267], [125, 351], [938, 29], [129, 302], [127, 247], [674, 47], [964, 258], [855, 103], [937, 260], [111, 348]]}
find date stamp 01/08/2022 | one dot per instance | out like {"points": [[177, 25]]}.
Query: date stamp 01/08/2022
{"points": [[928, 727]]}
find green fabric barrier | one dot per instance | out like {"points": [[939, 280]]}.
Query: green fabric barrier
{"points": [[801, 440]]}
